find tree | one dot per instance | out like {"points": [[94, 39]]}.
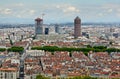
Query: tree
{"points": [[85, 77], [34, 37], [85, 50], [16, 49], [41, 77], [2, 49]]}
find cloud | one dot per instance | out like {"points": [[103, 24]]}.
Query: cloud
{"points": [[58, 6], [19, 16], [70, 9], [113, 8], [32, 12], [18, 5], [104, 12], [67, 8], [111, 5], [6, 11], [110, 10], [118, 12], [100, 14], [25, 13]]}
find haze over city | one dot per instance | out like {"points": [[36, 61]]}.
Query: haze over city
{"points": [[59, 11]]}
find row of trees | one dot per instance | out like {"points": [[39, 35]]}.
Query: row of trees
{"points": [[13, 49], [77, 77], [95, 49], [2, 49], [41, 77], [85, 77]]}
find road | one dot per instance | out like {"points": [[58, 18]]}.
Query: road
{"points": [[23, 56]]}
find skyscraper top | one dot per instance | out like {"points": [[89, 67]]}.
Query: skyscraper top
{"points": [[77, 20], [38, 19]]}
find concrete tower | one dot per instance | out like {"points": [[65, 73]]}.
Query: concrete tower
{"points": [[77, 27], [38, 26]]}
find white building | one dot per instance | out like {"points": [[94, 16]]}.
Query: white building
{"points": [[35, 52], [9, 73], [15, 61]]}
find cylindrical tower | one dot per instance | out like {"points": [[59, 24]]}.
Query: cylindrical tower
{"points": [[77, 27]]}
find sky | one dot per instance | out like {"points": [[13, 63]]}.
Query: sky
{"points": [[59, 11]]}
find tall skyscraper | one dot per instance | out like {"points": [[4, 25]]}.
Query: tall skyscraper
{"points": [[57, 28], [77, 27], [38, 26]]}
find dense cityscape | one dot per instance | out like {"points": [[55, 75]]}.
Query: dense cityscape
{"points": [[59, 50], [59, 39]]}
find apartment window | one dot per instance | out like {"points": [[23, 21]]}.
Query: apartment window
{"points": [[31, 77], [5, 75], [11, 75], [1, 75]]}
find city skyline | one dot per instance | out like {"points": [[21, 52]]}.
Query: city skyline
{"points": [[59, 11]]}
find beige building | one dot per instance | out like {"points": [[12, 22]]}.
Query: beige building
{"points": [[9, 73], [35, 52]]}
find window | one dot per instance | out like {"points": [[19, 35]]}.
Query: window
{"points": [[11, 76], [31, 77], [5, 75]]}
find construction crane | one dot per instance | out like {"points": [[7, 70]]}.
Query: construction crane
{"points": [[42, 15]]}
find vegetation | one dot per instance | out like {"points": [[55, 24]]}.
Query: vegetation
{"points": [[34, 37], [85, 50], [16, 49], [78, 77], [109, 50], [86, 77], [55, 48], [2, 49], [41, 77]]}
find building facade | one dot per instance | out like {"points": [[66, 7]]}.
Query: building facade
{"points": [[77, 27], [38, 26], [57, 28], [8, 73], [46, 31]]}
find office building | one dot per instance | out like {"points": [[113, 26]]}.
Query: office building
{"points": [[57, 28], [77, 27], [46, 31]]}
